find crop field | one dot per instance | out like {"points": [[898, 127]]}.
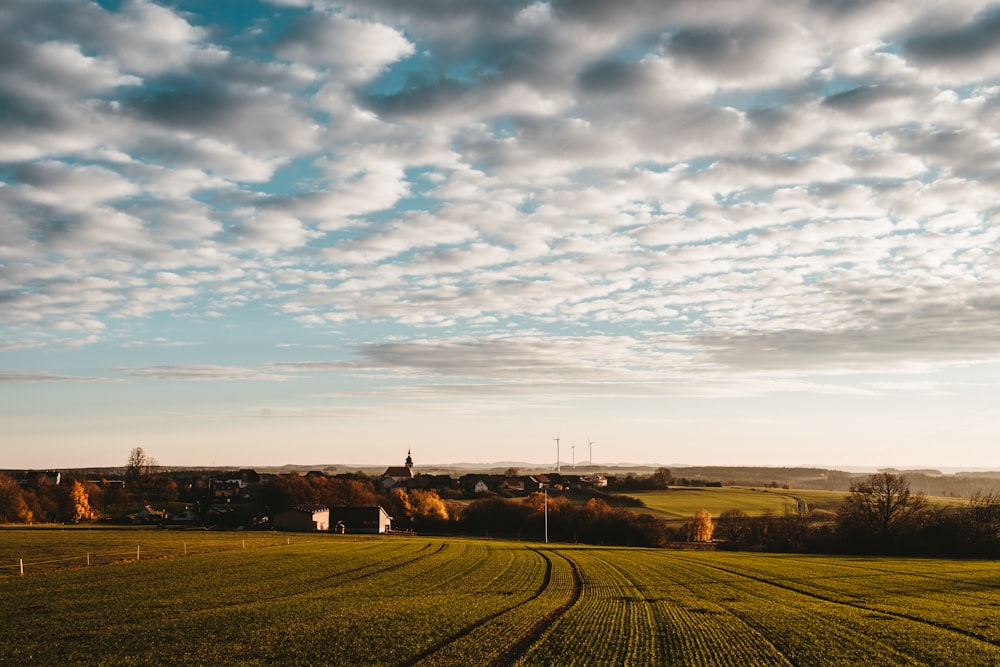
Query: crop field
{"points": [[333, 599], [682, 502]]}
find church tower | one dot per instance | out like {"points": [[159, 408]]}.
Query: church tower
{"points": [[409, 460]]}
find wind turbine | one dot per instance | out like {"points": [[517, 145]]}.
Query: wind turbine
{"points": [[558, 469], [590, 446], [573, 448]]}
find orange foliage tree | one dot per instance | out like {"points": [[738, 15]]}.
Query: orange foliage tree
{"points": [[700, 527]]}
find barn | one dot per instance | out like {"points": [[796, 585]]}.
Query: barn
{"points": [[304, 518], [364, 520]]}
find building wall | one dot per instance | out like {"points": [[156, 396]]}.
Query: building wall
{"points": [[364, 520], [300, 521]]}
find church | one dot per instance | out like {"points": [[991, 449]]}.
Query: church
{"points": [[399, 475]]}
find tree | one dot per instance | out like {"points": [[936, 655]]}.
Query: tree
{"points": [[881, 510], [661, 479], [13, 509], [981, 524], [734, 527], [77, 505], [700, 527], [140, 466], [427, 506]]}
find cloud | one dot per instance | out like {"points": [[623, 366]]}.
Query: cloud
{"points": [[203, 373], [44, 377], [357, 49], [493, 188]]}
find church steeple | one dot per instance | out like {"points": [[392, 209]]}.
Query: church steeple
{"points": [[409, 460]]}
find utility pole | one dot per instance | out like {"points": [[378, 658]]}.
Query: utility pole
{"points": [[546, 493]]}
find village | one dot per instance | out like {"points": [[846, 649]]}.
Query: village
{"points": [[399, 499]]}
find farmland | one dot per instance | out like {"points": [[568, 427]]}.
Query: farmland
{"points": [[679, 503], [199, 597]]}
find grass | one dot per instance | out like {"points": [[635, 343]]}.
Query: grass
{"points": [[683, 502], [680, 503], [330, 599]]}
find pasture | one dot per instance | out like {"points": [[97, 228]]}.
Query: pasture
{"points": [[680, 503], [261, 599]]}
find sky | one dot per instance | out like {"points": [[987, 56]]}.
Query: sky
{"points": [[745, 232]]}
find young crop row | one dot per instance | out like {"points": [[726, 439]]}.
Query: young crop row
{"points": [[431, 601], [499, 637], [629, 614], [809, 620], [36, 550], [961, 596]]}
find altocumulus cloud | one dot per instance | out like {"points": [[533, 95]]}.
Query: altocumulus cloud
{"points": [[489, 190]]}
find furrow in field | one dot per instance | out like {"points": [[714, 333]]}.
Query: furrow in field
{"points": [[564, 580], [692, 629], [608, 625], [801, 590], [340, 578], [461, 643], [861, 632]]}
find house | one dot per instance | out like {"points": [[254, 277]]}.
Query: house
{"points": [[304, 518], [228, 488], [148, 515], [477, 484], [398, 475], [600, 481], [512, 485], [365, 520]]}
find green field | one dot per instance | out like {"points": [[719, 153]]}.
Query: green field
{"points": [[682, 502], [256, 599]]}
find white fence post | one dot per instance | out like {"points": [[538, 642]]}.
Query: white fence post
{"points": [[21, 561]]}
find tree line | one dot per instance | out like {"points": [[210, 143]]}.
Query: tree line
{"points": [[881, 515]]}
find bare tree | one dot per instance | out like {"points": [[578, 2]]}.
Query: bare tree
{"points": [[140, 466], [734, 527], [881, 507], [981, 524]]}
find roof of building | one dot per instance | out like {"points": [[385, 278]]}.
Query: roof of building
{"points": [[311, 509]]}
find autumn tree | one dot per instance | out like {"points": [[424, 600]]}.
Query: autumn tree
{"points": [[427, 506], [13, 509], [76, 506], [700, 527]]}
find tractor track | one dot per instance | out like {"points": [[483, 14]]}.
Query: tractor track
{"points": [[853, 605], [369, 570], [547, 621], [469, 629], [526, 640]]}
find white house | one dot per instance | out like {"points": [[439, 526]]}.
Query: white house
{"points": [[366, 520]]}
